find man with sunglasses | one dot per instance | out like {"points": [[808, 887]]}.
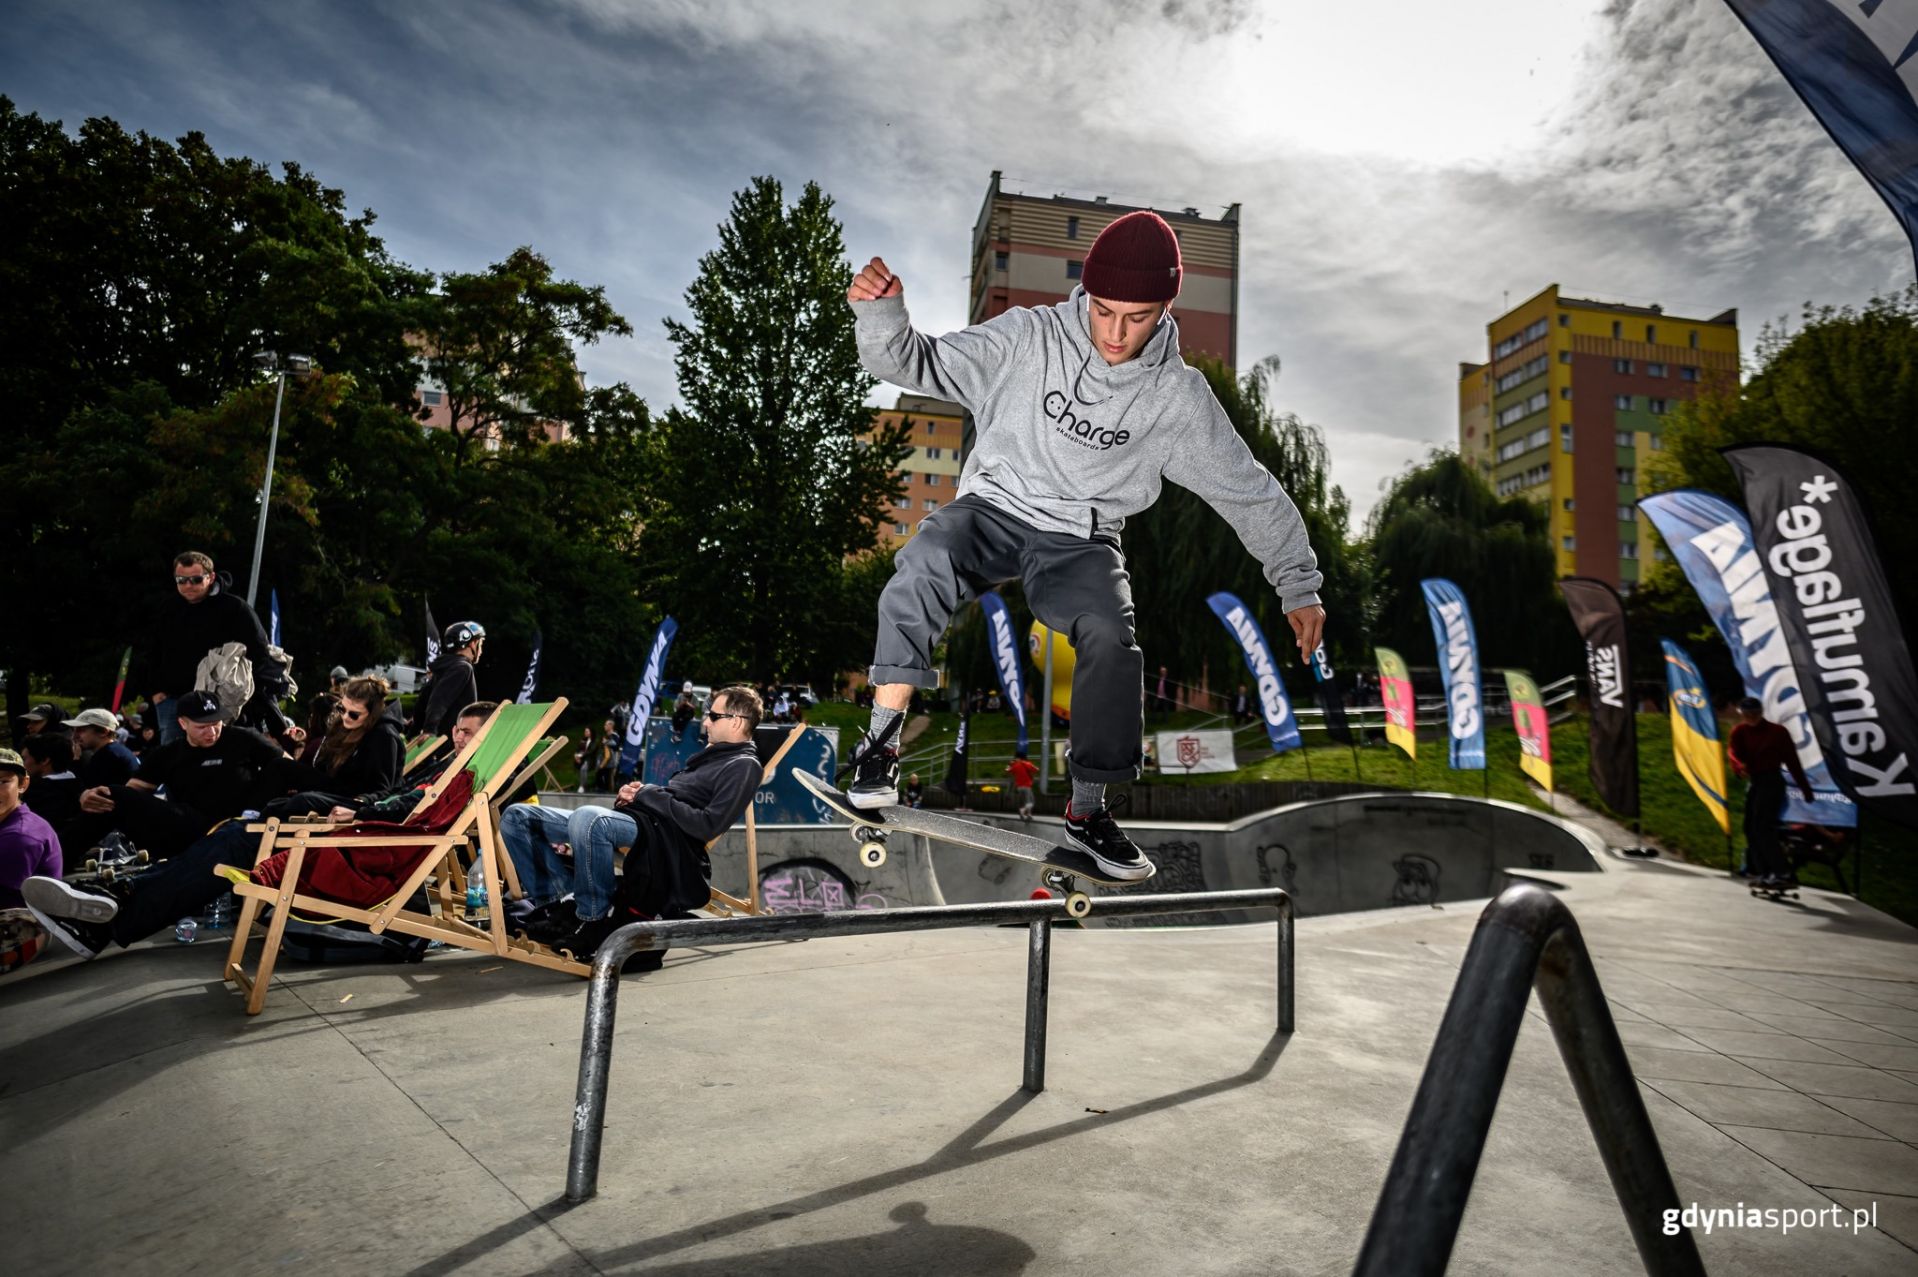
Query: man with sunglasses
{"points": [[200, 617], [666, 827]]}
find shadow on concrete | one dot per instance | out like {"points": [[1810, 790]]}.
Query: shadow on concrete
{"points": [[964, 1150]]}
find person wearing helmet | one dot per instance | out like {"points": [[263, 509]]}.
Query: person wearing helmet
{"points": [[1084, 410], [453, 685]]}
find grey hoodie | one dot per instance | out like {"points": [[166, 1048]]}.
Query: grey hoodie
{"points": [[1069, 443]]}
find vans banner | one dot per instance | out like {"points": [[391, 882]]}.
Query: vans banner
{"points": [[1599, 615]]}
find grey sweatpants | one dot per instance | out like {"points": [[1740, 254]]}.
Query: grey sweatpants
{"points": [[1075, 585]]}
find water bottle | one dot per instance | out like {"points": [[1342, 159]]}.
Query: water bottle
{"points": [[219, 914], [476, 888], [186, 931]]}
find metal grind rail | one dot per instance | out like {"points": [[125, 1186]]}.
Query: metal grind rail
{"points": [[1526, 938], [596, 1046]]}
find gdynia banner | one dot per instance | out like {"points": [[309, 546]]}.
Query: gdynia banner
{"points": [[1458, 662], [1401, 710], [1835, 607], [1280, 725], [1713, 543], [1599, 616], [1005, 657], [1533, 727], [1695, 747], [529, 686], [644, 698]]}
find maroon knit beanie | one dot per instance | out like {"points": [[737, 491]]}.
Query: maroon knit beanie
{"points": [[1135, 259]]}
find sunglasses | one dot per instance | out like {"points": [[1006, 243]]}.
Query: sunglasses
{"points": [[713, 716], [192, 580], [352, 715]]}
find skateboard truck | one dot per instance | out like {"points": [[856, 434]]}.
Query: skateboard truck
{"points": [[1078, 903], [872, 845]]}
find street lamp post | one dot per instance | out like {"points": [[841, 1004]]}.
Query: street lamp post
{"points": [[298, 365]]}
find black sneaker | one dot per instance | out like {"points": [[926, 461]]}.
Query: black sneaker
{"points": [[584, 937], [1099, 835], [78, 919], [875, 770]]}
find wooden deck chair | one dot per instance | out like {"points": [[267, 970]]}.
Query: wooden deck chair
{"points": [[417, 748], [494, 754]]}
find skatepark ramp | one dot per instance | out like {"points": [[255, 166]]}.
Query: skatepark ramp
{"points": [[1332, 855], [1526, 938]]}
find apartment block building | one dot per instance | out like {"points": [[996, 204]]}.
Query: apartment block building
{"points": [[931, 470], [1570, 403]]}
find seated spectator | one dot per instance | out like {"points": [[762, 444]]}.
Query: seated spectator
{"points": [[394, 803], [452, 685], [44, 717], [666, 826], [28, 845], [56, 789], [88, 921], [365, 744], [100, 757], [212, 773], [199, 617]]}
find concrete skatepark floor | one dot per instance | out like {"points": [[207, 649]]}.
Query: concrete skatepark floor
{"points": [[853, 1106]]}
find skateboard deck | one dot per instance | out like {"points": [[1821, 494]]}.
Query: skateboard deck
{"points": [[1775, 893], [870, 827]]}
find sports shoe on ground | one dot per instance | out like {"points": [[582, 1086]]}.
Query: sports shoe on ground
{"points": [[584, 937], [875, 770], [78, 919], [1100, 836]]}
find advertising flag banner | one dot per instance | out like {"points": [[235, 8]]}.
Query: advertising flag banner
{"points": [[1853, 63], [1599, 615], [1533, 728], [1280, 723], [1835, 607], [1401, 711], [432, 636], [530, 685], [1330, 701], [1063, 663], [956, 769], [1005, 656], [120, 683], [1458, 662], [1713, 544], [273, 619], [643, 699], [1695, 747]]}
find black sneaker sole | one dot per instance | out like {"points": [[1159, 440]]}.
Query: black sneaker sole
{"points": [[52, 896]]}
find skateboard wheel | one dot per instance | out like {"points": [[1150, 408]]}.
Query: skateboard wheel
{"points": [[92, 864], [872, 854], [142, 858], [1078, 904]]}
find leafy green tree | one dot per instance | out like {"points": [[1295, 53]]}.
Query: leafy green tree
{"points": [[1844, 385], [501, 343], [1442, 519], [771, 477]]}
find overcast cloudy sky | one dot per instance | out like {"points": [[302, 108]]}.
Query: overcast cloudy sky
{"points": [[1404, 166]]}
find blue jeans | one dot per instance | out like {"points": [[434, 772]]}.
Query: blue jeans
{"points": [[596, 833], [166, 716]]}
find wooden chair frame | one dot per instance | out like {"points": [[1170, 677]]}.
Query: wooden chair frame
{"points": [[475, 821]]}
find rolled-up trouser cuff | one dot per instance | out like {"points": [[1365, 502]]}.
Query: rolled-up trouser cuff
{"points": [[1102, 776], [880, 675]]}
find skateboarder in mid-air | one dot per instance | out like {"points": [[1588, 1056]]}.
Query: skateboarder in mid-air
{"points": [[1083, 410]]}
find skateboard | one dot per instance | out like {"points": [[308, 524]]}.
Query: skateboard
{"points": [[115, 860], [1774, 893], [1062, 865]]}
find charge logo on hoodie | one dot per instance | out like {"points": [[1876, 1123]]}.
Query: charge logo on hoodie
{"points": [[1079, 429]]}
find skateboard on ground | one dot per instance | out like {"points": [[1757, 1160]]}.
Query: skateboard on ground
{"points": [[1062, 865], [1782, 892], [116, 859]]}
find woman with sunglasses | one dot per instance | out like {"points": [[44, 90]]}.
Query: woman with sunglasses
{"points": [[362, 752]]}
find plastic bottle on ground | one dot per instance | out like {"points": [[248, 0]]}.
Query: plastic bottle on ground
{"points": [[186, 931]]}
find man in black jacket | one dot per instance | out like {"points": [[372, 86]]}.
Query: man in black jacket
{"points": [[201, 617], [453, 685], [666, 826]]}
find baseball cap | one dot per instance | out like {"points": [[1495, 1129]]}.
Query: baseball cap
{"points": [[44, 712], [200, 707], [339, 674], [12, 762], [100, 718]]}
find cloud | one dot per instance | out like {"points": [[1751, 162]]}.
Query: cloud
{"points": [[1403, 169]]}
